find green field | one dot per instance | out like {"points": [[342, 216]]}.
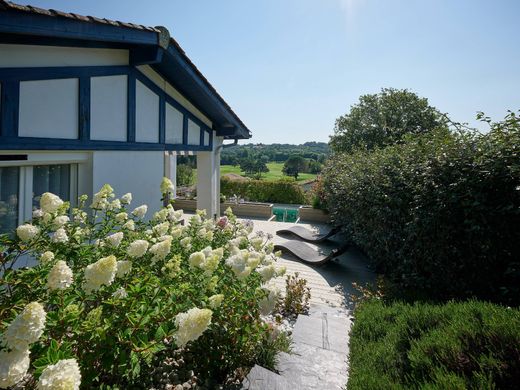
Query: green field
{"points": [[275, 172]]}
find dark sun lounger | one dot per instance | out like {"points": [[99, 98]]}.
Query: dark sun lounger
{"points": [[307, 235], [308, 254]]}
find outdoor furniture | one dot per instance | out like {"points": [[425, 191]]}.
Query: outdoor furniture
{"points": [[307, 254], [307, 235]]}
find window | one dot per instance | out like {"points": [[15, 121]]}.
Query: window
{"points": [[21, 188], [51, 178], [9, 195]]}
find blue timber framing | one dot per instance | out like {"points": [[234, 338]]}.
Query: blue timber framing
{"points": [[10, 79], [146, 45]]}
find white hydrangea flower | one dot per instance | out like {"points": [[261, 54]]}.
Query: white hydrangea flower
{"points": [[162, 228], [268, 303], [130, 225], [60, 221], [239, 265], [176, 232], [79, 216], [216, 300], [120, 293], [195, 220], [191, 325], [196, 259], [126, 198], [167, 186], [60, 276], [121, 217], [26, 328], [60, 236], [100, 200], [115, 239], [161, 215], [37, 213], [123, 267], [140, 211], [161, 249], [63, 375], [27, 232], [13, 367], [47, 257], [267, 272], [257, 242], [50, 203], [115, 204], [280, 271], [100, 273], [186, 243], [174, 215], [137, 248]]}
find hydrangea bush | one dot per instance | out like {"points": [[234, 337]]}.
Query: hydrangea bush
{"points": [[115, 290]]}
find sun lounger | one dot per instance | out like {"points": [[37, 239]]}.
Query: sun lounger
{"points": [[307, 254], [307, 235]]}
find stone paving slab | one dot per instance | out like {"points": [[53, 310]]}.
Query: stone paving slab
{"points": [[309, 367], [322, 331], [260, 378]]}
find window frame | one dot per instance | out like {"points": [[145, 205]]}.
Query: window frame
{"points": [[25, 178]]}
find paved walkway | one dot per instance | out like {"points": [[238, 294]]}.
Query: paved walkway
{"points": [[319, 357]]}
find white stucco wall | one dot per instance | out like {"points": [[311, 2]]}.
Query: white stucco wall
{"points": [[49, 108], [138, 172], [108, 108], [170, 90], [36, 56], [173, 125], [146, 114], [193, 133]]}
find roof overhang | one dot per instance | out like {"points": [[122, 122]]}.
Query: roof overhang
{"points": [[147, 45]]}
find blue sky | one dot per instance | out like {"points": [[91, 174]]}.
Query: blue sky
{"points": [[289, 68]]}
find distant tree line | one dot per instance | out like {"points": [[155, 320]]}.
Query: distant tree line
{"points": [[317, 151]]}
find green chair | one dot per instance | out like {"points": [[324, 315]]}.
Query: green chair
{"points": [[292, 215]]}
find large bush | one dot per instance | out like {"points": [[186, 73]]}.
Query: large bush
{"points": [[439, 213], [280, 191], [471, 345], [113, 295]]}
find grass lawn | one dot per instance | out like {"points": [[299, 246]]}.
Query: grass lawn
{"points": [[275, 172]]}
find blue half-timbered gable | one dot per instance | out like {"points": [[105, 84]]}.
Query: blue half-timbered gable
{"points": [[86, 101]]}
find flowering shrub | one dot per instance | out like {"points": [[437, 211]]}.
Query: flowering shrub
{"points": [[112, 294]]}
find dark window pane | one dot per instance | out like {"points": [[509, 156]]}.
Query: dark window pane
{"points": [[9, 179], [51, 178]]}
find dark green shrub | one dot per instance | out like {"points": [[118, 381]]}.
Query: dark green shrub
{"points": [[438, 214], [280, 191], [470, 345], [184, 175]]}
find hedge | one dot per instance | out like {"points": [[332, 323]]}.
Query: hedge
{"points": [[439, 214], [470, 345], [280, 191]]}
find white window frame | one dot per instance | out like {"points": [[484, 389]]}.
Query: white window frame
{"points": [[25, 184]]}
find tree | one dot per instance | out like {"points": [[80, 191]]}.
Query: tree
{"points": [[383, 119], [184, 175], [294, 165], [253, 167]]}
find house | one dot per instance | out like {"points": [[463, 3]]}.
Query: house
{"points": [[87, 101]]}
